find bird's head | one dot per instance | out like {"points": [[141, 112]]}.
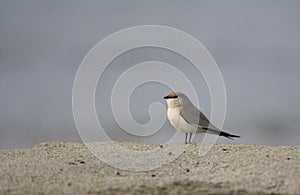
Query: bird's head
{"points": [[176, 99]]}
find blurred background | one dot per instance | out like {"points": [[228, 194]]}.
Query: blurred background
{"points": [[256, 45]]}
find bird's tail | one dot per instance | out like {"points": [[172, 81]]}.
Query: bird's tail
{"points": [[228, 135], [219, 132]]}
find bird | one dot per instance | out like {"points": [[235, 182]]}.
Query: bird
{"points": [[187, 118]]}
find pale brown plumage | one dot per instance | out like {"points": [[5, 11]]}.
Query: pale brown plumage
{"points": [[192, 115]]}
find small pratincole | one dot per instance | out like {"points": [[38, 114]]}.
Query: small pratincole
{"points": [[185, 117]]}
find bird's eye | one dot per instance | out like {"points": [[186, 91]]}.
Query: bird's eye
{"points": [[171, 97]]}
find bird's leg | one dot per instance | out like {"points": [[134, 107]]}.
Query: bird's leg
{"points": [[186, 136], [190, 139]]}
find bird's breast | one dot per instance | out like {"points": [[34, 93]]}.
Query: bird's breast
{"points": [[178, 122], [174, 116]]}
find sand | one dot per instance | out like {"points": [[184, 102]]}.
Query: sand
{"points": [[70, 168]]}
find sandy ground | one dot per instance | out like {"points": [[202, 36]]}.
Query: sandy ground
{"points": [[70, 168]]}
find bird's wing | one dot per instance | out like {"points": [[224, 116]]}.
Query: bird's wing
{"points": [[195, 117]]}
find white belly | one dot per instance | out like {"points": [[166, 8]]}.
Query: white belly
{"points": [[178, 122]]}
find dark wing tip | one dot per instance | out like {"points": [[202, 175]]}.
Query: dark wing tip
{"points": [[228, 135]]}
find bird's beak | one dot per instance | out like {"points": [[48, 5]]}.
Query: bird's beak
{"points": [[166, 97]]}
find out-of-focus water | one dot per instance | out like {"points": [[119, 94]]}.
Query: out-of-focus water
{"points": [[255, 43]]}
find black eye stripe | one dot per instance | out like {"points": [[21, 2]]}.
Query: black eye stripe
{"points": [[171, 97]]}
